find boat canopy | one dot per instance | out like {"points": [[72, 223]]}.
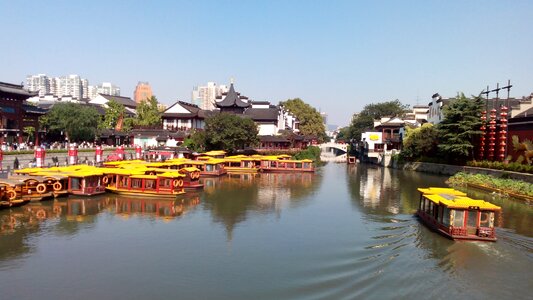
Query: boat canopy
{"points": [[460, 202]]}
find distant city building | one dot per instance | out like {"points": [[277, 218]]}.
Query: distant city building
{"points": [[38, 83], [71, 85], [142, 92], [105, 88], [204, 96]]}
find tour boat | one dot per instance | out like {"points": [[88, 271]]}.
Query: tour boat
{"points": [[454, 215], [137, 183], [56, 182], [85, 182], [11, 193], [242, 164], [190, 181], [209, 167], [34, 188], [274, 164], [211, 154]]}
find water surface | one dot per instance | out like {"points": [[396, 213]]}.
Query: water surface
{"points": [[345, 232]]}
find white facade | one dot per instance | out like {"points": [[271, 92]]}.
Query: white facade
{"points": [[105, 88], [435, 114], [71, 85], [39, 82], [204, 96], [267, 129]]}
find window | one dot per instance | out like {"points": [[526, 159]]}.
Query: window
{"points": [[446, 217], [74, 183], [472, 218], [136, 183], [486, 219], [459, 218]]}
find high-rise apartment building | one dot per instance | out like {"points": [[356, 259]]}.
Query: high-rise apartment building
{"points": [[106, 88], [39, 82], [204, 96], [71, 85], [142, 92]]}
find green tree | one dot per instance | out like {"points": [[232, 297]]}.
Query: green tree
{"points": [[460, 128], [29, 131], [148, 113], [311, 122], [196, 141], [230, 132], [420, 142], [364, 121], [78, 122], [113, 113]]}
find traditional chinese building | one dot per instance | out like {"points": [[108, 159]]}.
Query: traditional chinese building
{"points": [[15, 113]]}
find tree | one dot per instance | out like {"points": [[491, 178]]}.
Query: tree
{"points": [[29, 131], [77, 122], [230, 132], [114, 115], [460, 128], [311, 122], [419, 142], [364, 120], [148, 113], [196, 141]]}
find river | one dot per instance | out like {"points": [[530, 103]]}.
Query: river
{"points": [[345, 232]]}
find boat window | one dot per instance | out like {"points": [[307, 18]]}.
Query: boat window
{"points": [[459, 218], [74, 183], [209, 168], [149, 184], [440, 211], [298, 165], [472, 218], [165, 183], [486, 219], [446, 217], [429, 206], [136, 183], [122, 181]]}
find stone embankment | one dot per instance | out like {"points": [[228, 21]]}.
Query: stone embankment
{"points": [[450, 170]]}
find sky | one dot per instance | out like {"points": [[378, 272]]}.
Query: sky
{"points": [[337, 56]]}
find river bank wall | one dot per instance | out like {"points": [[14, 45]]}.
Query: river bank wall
{"points": [[451, 170]]}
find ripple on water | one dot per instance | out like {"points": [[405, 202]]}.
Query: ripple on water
{"points": [[353, 272]]}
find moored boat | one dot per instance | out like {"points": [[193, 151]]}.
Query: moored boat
{"points": [[11, 193], [86, 182], [242, 164], [274, 164], [137, 183], [456, 216]]}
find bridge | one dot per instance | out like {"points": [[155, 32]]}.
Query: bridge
{"points": [[334, 152]]}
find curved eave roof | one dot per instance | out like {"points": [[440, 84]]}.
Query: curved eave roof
{"points": [[232, 99]]}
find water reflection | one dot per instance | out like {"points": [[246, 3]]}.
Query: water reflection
{"points": [[230, 199]]}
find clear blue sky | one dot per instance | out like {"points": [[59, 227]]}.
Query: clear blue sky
{"points": [[336, 55]]}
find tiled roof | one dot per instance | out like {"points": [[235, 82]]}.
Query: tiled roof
{"points": [[16, 89], [262, 114], [233, 99], [126, 101]]}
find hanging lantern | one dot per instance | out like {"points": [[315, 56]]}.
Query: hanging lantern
{"points": [[503, 133], [482, 139], [492, 133]]}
